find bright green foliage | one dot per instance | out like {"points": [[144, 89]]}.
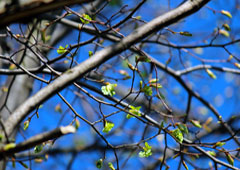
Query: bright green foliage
{"points": [[219, 144], [226, 13], [212, 153], [99, 163], [38, 148], [1, 137], [177, 133], [224, 32], [26, 124], [211, 74], [9, 146], [229, 158], [146, 151], [196, 123], [182, 127], [90, 53], [185, 33], [108, 127], [110, 165], [135, 111], [86, 18], [147, 90], [77, 124], [109, 89], [61, 49]]}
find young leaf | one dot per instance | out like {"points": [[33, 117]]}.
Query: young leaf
{"points": [[219, 144], [211, 74], [178, 135], [109, 89], [110, 165], [90, 53], [9, 146], [226, 27], [185, 33], [226, 13], [86, 18], [196, 123], [26, 124], [77, 124], [147, 90], [142, 59], [183, 128], [237, 65], [229, 158], [108, 127], [135, 111], [146, 151], [212, 153], [38, 148], [61, 49], [99, 163], [224, 32]]}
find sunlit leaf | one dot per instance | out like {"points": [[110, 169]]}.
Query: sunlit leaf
{"points": [[90, 53], [147, 90], [109, 89], [146, 151], [182, 127], [26, 124], [77, 124], [135, 111], [212, 153], [108, 127], [85, 19], [196, 123], [178, 135], [110, 165], [219, 144], [237, 65], [9, 146], [226, 13], [229, 158], [211, 74], [61, 49], [12, 66], [224, 32]]}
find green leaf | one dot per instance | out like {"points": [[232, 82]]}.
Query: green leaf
{"points": [[108, 127], [147, 90], [1, 137], [226, 27], [146, 151], [185, 33], [153, 80], [178, 135], [9, 146], [229, 158], [211, 74], [38, 148], [99, 163], [90, 53], [135, 111], [110, 165], [219, 144], [224, 32], [61, 49], [212, 153], [196, 123], [85, 19], [26, 124], [183, 128], [226, 13], [109, 89], [77, 124]]}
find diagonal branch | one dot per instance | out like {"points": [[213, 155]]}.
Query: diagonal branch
{"points": [[100, 57]]}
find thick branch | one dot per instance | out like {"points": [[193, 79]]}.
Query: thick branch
{"points": [[100, 57]]}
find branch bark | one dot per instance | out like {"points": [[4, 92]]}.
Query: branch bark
{"points": [[100, 57]]}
